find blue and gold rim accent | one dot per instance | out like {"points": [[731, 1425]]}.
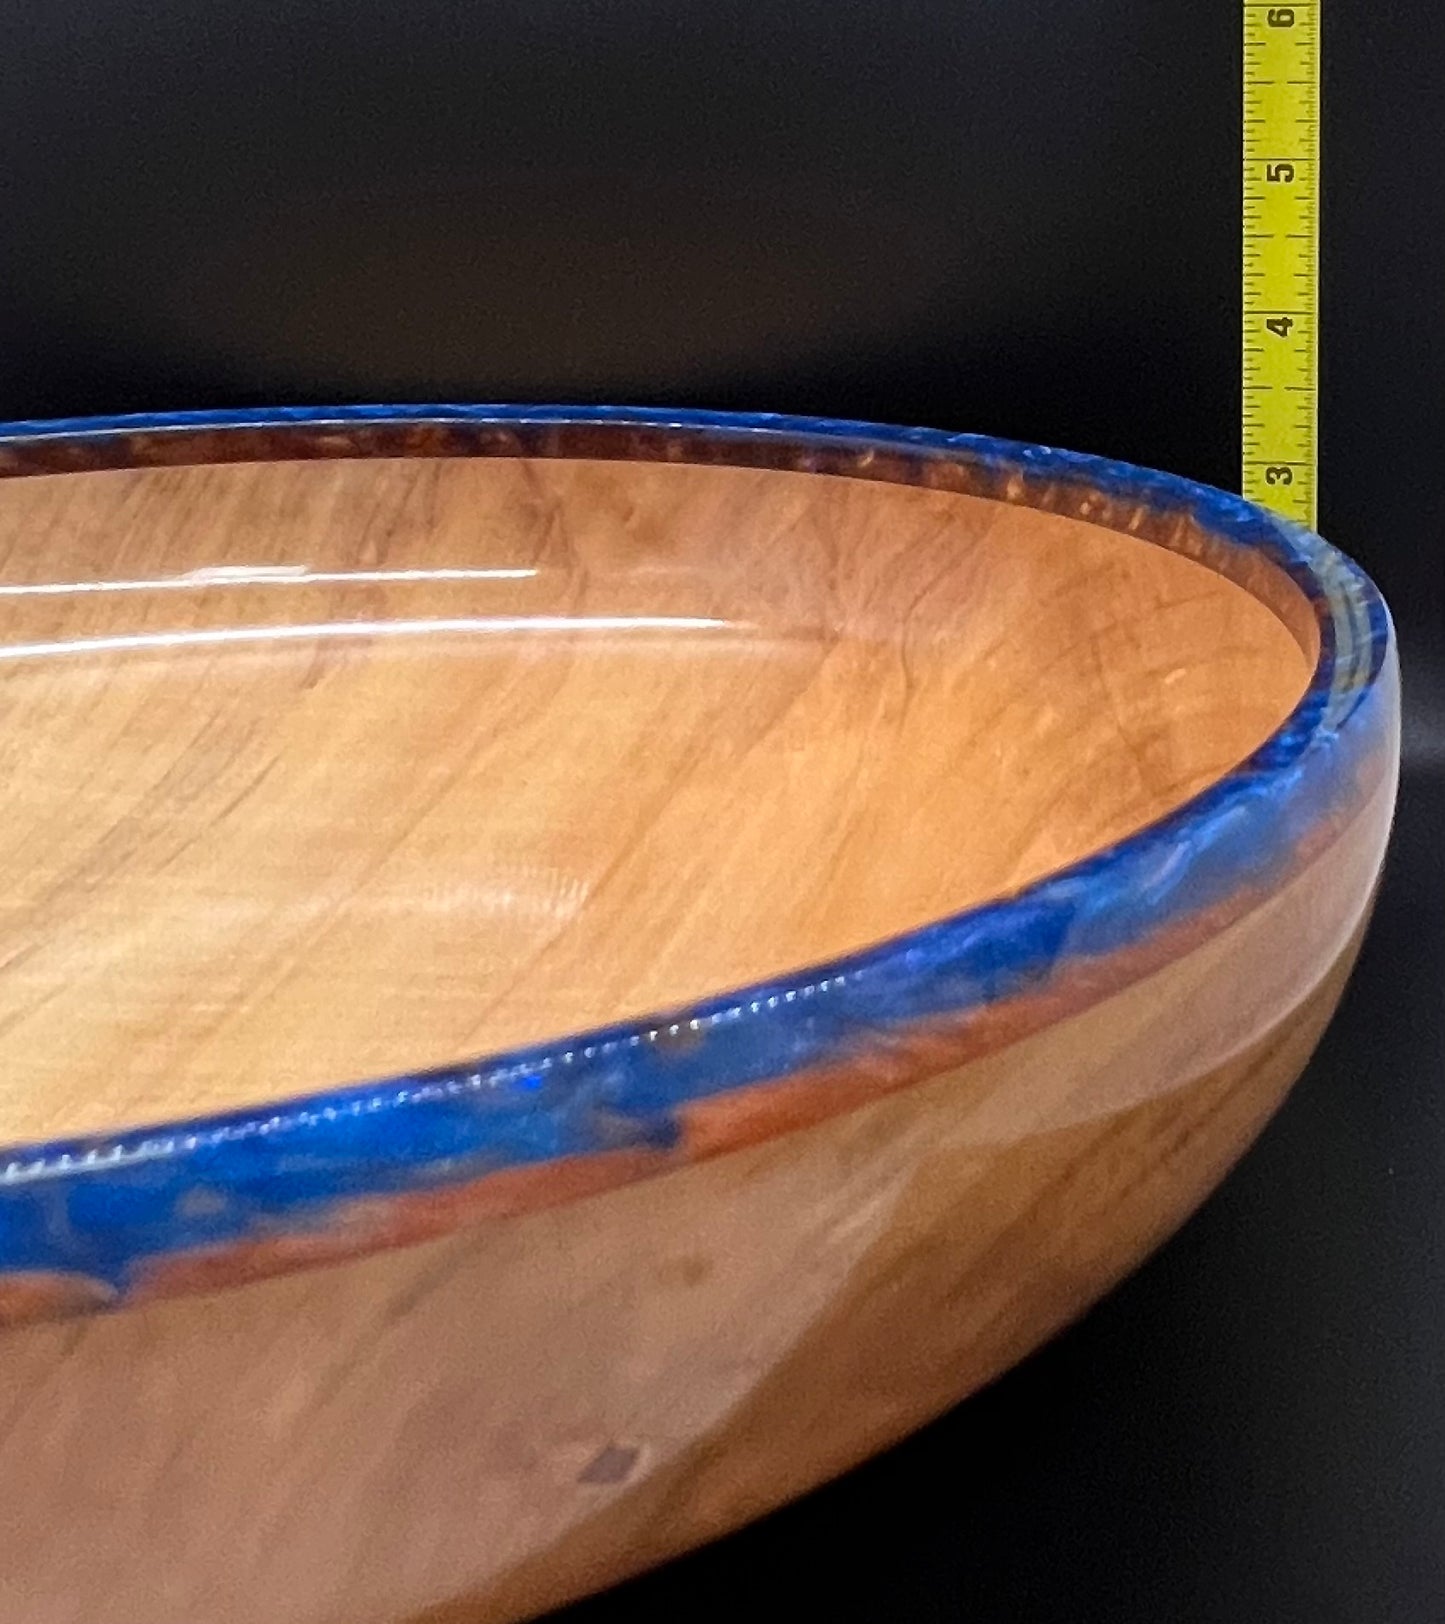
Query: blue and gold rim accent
{"points": [[216, 1200]]}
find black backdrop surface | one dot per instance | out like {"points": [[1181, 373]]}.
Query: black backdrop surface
{"points": [[1018, 218]]}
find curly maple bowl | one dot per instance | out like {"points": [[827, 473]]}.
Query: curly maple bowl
{"points": [[940, 854]]}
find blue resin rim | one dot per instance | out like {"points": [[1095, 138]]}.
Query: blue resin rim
{"points": [[101, 1209]]}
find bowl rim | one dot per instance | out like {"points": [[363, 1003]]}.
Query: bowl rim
{"points": [[349, 1170]]}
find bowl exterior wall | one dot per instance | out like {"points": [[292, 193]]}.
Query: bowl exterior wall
{"points": [[484, 1425]]}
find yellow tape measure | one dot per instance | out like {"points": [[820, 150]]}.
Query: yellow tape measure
{"points": [[1281, 255]]}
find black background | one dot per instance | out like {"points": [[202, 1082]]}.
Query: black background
{"points": [[1018, 217]]}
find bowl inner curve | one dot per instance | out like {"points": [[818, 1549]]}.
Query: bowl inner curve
{"points": [[321, 771]]}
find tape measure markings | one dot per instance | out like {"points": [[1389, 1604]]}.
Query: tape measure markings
{"points": [[1281, 259]]}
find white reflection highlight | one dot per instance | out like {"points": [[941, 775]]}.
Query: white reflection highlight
{"points": [[260, 575], [469, 625]]}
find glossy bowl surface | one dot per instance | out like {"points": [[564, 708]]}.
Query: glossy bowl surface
{"points": [[624, 1091], [1003, 825]]}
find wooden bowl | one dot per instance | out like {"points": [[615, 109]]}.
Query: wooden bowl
{"points": [[888, 877]]}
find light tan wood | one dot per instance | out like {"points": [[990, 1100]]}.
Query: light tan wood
{"points": [[473, 1429], [321, 771]]}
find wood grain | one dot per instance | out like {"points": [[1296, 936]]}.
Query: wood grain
{"points": [[323, 771], [933, 1310], [318, 770], [479, 1427]]}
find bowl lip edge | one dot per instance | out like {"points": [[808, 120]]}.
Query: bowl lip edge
{"points": [[1344, 597]]}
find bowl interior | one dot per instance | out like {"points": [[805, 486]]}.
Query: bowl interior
{"points": [[319, 771]]}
